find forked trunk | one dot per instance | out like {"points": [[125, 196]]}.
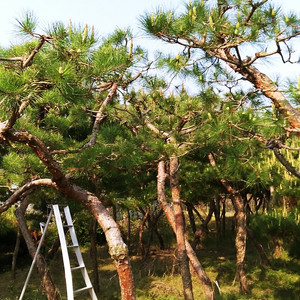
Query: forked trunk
{"points": [[161, 178], [180, 231]]}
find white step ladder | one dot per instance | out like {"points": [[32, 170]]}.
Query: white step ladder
{"points": [[61, 224]]}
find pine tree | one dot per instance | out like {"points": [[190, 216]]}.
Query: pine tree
{"points": [[55, 89], [215, 38]]}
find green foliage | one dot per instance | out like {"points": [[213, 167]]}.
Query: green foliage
{"points": [[7, 222], [27, 24], [275, 224], [70, 77]]}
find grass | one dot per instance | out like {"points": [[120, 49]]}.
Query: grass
{"points": [[157, 278]]}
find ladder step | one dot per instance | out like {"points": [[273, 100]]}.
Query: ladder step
{"points": [[68, 226], [72, 246], [77, 268], [83, 289]]}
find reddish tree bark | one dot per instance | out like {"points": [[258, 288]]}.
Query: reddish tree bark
{"points": [[161, 197], [263, 83], [117, 248], [180, 230]]}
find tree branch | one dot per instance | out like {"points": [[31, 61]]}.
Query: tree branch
{"points": [[22, 191], [27, 60], [272, 144]]}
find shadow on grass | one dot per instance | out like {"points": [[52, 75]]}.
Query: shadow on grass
{"points": [[158, 277]]}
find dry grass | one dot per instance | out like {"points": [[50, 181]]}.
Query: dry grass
{"points": [[158, 278]]}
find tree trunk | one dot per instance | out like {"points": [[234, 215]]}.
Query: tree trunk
{"points": [[117, 248], [241, 231], [152, 221], [48, 284], [240, 244], [260, 250], [159, 237], [180, 231], [93, 253], [224, 217], [15, 254], [203, 226], [128, 237], [217, 213], [161, 178], [189, 207], [55, 247], [142, 226]]}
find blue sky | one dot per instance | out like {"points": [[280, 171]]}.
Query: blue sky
{"points": [[105, 15]]}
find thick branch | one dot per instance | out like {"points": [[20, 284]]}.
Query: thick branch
{"points": [[117, 248], [41, 151], [272, 144], [17, 195], [263, 83]]}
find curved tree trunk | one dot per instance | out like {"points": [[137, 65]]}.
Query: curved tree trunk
{"points": [[161, 178], [48, 284], [180, 230], [117, 248]]}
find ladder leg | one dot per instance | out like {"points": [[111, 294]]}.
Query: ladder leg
{"points": [[35, 255], [79, 255], [65, 254]]}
